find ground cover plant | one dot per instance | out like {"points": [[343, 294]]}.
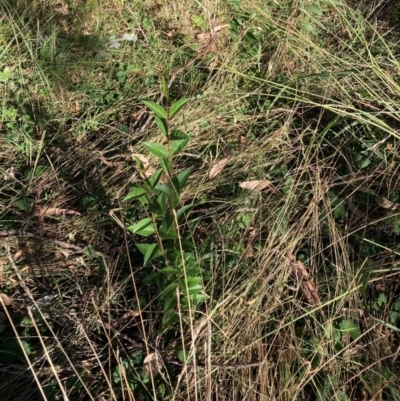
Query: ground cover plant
{"points": [[199, 200]]}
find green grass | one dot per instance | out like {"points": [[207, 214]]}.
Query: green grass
{"points": [[303, 94]]}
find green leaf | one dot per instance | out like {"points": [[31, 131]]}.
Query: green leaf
{"points": [[177, 106], [170, 303], [183, 212], [169, 291], [173, 200], [192, 284], [162, 125], [143, 248], [161, 201], [309, 27], [178, 146], [163, 188], [351, 328], [143, 227], [156, 149], [170, 233], [135, 192], [170, 318], [168, 270], [183, 356], [155, 177], [156, 108], [192, 269], [179, 181], [178, 134], [166, 165], [22, 204], [152, 252], [197, 299], [313, 8]]}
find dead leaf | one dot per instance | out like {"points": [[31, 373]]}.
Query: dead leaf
{"points": [[53, 211], [217, 168], [288, 354], [152, 365], [8, 301], [9, 174], [256, 185], [206, 35], [220, 27], [306, 282], [18, 254], [385, 203], [144, 160]]}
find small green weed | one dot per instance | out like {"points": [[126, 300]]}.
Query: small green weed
{"points": [[170, 249]]}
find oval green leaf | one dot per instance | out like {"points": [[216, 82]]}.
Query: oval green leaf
{"points": [[177, 106], [134, 193], [156, 149], [152, 251], [162, 125], [143, 227], [156, 108], [178, 146]]}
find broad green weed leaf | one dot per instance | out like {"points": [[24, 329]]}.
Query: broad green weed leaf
{"points": [[183, 212], [193, 285], [351, 328], [134, 193], [183, 356], [170, 233], [169, 291], [166, 165], [156, 108], [170, 318], [177, 106], [155, 177], [178, 146], [168, 270], [313, 8], [146, 231], [143, 227], [178, 134], [170, 302], [309, 27], [179, 181], [173, 199], [157, 149], [163, 188], [198, 298], [162, 125], [143, 248], [152, 251], [161, 201]]}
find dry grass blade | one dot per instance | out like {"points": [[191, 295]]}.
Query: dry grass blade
{"points": [[258, 185], [217, 168]]}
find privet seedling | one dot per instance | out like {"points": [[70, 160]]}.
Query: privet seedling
{"points": [[170, 250]]}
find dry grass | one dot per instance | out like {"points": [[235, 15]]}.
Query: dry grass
{"points": [[294, 106]]}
